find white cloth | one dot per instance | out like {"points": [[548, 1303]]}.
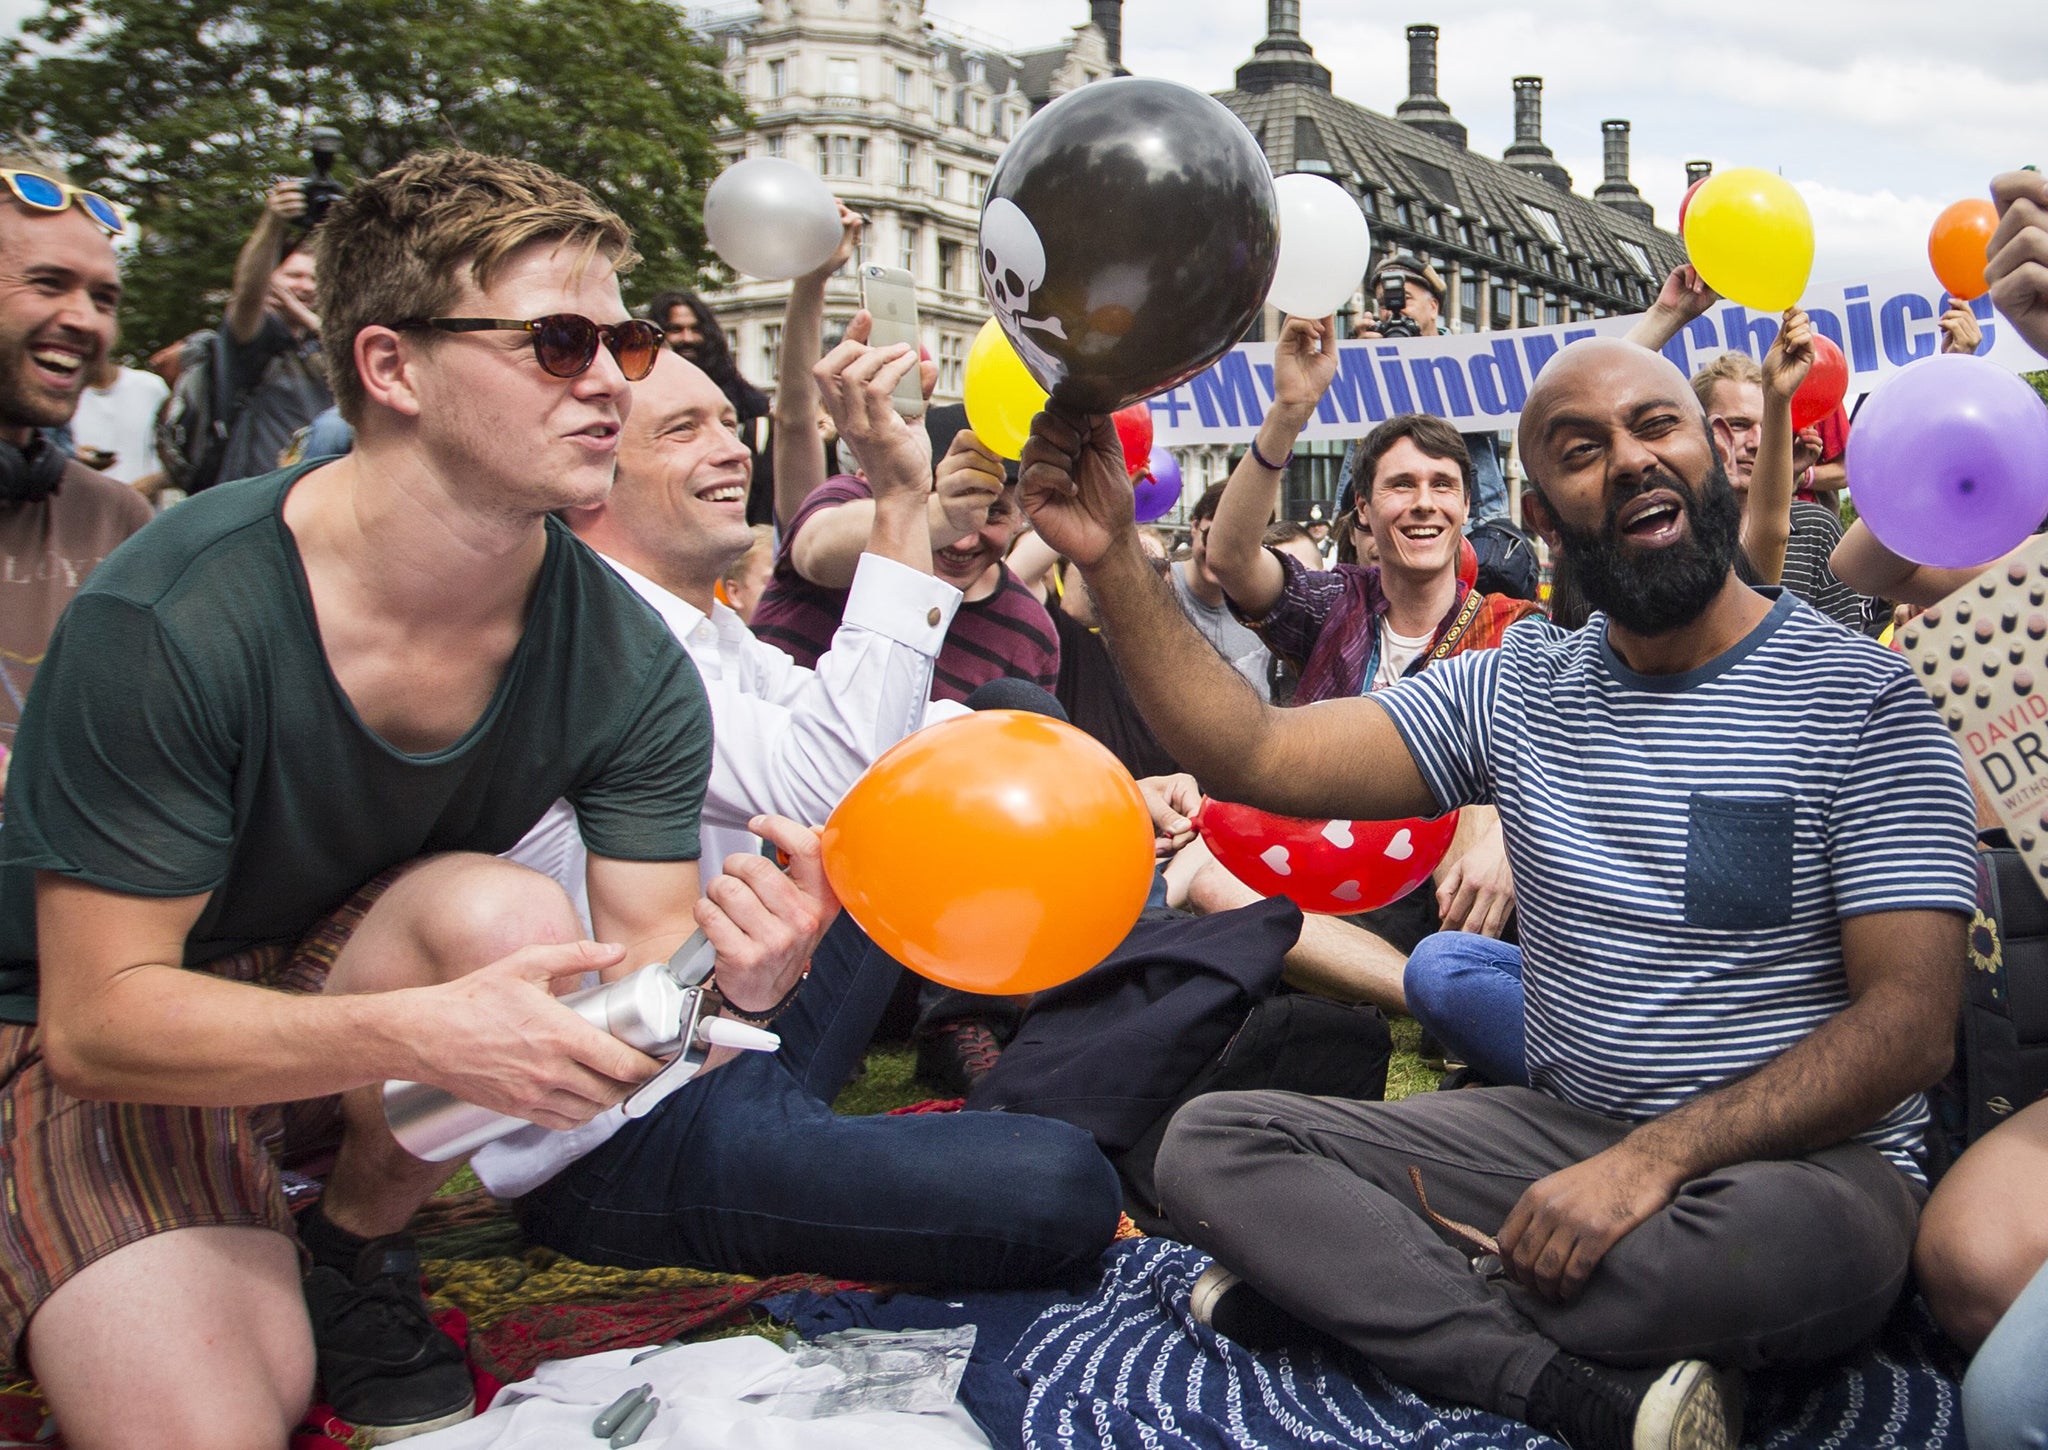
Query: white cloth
{"points": [[785, 741], [122, 420], [1397, 652], [700, 1386]]}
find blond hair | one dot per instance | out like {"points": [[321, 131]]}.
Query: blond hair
{"points": [[1729, 367], [763, 547], [398, 246]]}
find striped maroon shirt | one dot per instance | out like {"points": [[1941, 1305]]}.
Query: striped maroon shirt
{"points": [[1007, 634]]}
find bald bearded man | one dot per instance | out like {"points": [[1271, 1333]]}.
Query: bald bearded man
{"points": [[1744, 846]]}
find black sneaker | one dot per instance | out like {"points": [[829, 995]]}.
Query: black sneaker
{"points": [[1238, 1312], [1689, 1405], [386, 1368], [954, 1056]]}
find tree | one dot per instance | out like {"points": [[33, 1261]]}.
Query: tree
{"points": [[186, 110]]}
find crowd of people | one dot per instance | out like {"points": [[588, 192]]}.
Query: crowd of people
{"points": [[340, 771]]}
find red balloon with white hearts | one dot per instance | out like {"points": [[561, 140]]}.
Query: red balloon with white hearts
{"points": [[1334, 867]]}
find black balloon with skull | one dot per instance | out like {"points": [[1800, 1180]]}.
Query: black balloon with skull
{"points": [[1128, 240]]}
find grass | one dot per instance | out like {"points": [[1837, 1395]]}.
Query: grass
{"points": [[891, 1082]]}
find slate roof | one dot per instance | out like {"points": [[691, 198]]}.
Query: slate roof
{"points": [[1300, 126]]}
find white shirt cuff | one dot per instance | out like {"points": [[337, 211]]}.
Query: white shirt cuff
{"points": [[899, 603]]}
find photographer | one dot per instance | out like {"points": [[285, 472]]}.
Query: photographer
{"points": [[1408, 297], [270, 341]]}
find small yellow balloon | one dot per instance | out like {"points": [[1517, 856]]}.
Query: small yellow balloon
{"points": [[1751, 237], [1002, 397]]}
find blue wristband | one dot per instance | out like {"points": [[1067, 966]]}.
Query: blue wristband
{"points": [[1265, 462]]}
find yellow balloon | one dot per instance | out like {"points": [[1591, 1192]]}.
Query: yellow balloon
{"points": [[1002, 398], [1751, 237]]}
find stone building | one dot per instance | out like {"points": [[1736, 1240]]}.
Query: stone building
{"points": [[904, 118], [1515, 245]]}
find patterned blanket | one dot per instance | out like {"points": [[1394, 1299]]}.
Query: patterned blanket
{"points": [[1125, 1367]]}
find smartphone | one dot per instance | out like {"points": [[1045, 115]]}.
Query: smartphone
{"points": [[890, 296]]}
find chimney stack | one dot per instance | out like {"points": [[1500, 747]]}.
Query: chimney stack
{"points": [[1108, 16], [1529, 154], [1696, 172], [1423, 109], [1617, 191], [1283, 57]]}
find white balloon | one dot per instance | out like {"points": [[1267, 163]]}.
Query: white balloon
{"points": [[771, 219], [1325, 246]]}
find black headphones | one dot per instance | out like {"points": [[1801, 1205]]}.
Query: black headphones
{"points": [[32, 473]]}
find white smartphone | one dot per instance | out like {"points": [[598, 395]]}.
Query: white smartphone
{"points": [[890, 296]]}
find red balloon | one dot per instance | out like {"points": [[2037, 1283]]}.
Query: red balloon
{"points": [[1827, 383], [1686, 201], [1134, 431], [1335, 867], [1468, 563]]}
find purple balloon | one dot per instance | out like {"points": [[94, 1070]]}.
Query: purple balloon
{"points": [[1948, 461], [1157, 486]]}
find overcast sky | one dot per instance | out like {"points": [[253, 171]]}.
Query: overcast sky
{"points": [[1882, 112]]}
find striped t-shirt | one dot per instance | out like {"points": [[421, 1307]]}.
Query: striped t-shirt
{"points": [[1685, 846], [1006, 635]]}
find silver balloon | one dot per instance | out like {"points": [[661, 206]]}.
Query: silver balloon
{"points": [[771, 219]]}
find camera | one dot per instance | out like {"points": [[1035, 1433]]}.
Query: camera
{"points": [[1393, 320], [321, 189]]}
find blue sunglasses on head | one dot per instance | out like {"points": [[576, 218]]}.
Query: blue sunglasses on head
{"points": [[46, 193]]}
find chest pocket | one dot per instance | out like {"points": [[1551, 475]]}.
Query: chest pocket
{"points": [[1738, 861]]}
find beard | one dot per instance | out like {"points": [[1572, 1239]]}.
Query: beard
{"points": [[1652, 592], [24, 407]]}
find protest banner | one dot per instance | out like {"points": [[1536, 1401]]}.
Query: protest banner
{"points": [[1479, 380]]}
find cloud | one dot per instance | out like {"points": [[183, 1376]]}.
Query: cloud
{"points": [[1878, 110]]}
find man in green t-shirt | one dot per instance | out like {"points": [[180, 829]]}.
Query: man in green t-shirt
{"points": [[275, 744]]}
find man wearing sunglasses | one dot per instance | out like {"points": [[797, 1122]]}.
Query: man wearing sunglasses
{"points": [[58, 519], [275, 382], [276, 745]]}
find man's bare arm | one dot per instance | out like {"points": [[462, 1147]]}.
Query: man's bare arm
{"points": [[1337, 758], [799, 452], [1896, 1036], [122, 1021], [1867, 566], [1767, 512], [250, 297], [1304, 362], [1682, 298]]}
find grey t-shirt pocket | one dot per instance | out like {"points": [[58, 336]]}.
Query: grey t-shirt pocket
{"points": [[1738, 861]]}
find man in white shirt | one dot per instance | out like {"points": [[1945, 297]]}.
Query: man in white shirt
{"points": [[117, 416], [759, 1176]]}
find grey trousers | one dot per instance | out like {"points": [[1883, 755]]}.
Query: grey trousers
{"points": [[1309, 1200]]}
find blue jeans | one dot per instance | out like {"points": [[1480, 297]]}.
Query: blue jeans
{"points": [[749, 1170], [2005, 1395], [1467, 990]]}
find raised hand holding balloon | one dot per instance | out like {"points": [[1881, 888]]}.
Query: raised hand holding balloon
{"points": [[1128, 240], [772, 219], [1750, 237], [1157, 487], [1948, 461], [1325, 246], [998, 852], [1335, 867]]}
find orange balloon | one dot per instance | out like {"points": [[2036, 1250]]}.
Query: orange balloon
{"points": [[1957, 246], [1001, 851]]}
